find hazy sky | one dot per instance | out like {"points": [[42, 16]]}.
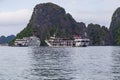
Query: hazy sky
{"points": [[15, 14]]}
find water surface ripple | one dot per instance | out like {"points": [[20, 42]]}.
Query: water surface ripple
{"points": [[46, 63]]}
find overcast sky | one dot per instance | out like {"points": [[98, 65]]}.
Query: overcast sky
{"points": [[15, 14]]}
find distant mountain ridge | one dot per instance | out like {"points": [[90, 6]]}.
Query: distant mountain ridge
{"points": [[7, 39]]}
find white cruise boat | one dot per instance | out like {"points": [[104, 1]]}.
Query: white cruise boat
{"points": [[28, 41], [62, 42]]}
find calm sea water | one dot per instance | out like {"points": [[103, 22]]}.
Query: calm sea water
{"points": [[45, 63]]}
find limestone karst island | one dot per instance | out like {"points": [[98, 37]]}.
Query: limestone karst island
{"points": [[50, 25]]}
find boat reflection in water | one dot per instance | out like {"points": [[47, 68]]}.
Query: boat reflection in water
{"points": [[52, 64]]}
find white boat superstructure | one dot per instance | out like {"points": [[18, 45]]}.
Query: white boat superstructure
{"points": [[33, 41], [81, 42], [28, 41], [58, 42]]}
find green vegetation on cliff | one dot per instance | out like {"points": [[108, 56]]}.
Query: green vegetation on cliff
{"points": [[94, 33], [99, 35], [26, 32], [115, 27]]}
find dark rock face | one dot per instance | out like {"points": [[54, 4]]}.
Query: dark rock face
{"points": [[82, 28], [106, 38], [115, 27], [49, 16], [48, 19], [99, 35]]}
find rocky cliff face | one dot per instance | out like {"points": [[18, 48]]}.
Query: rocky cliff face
{"points": [[99, 35], [48, 19], [106, 38], [115, 27]]}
